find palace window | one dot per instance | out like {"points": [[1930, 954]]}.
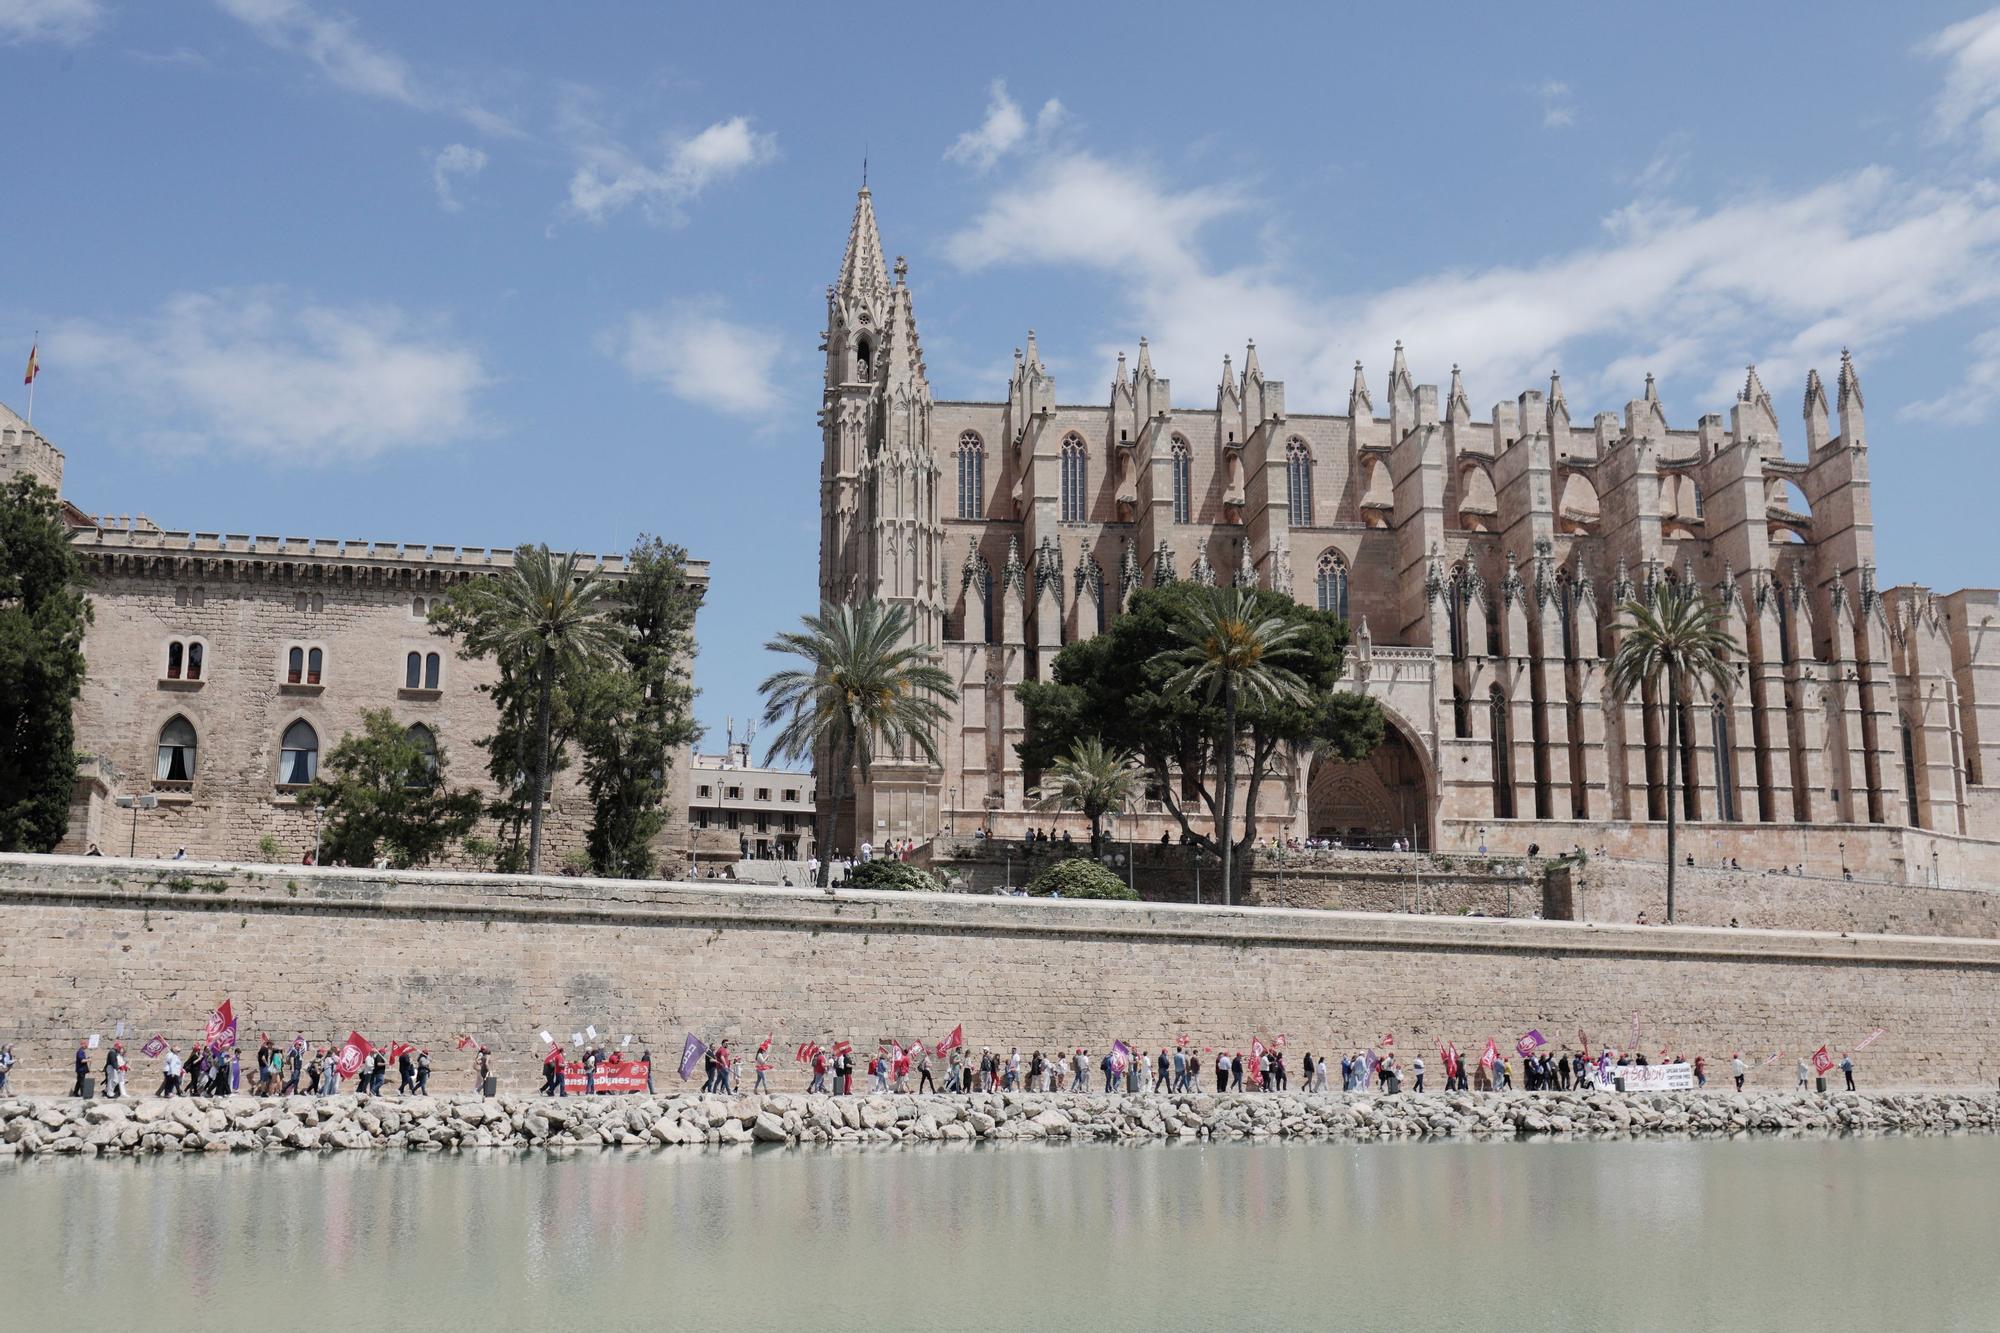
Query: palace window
{"points": [[184, 659], [419, 608], [971, 474], [1073, 477], [1299, 483], [425, 774], [420, 671], [303, 665], [1332, 584], [177, 748], [298, 755], [1183, 466]]}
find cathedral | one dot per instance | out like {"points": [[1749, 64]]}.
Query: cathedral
{"points": [[1480, 559]]}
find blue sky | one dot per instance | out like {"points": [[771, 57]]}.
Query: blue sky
{"points": [[493, 272]]}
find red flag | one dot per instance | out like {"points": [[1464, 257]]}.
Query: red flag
{"points": [[399, 1049], [1388, 1041], [1821, 1060], [1490, 1056], [34, 364], [955, 1040], [1869, 1040], [843, 1048], [464, 1040], [352, 1052], [221, 1029], [765, 1044]]}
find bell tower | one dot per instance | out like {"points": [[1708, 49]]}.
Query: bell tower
{"points": [[881, 535]]}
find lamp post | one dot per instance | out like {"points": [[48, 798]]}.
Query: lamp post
{"points": [[135, 804]]}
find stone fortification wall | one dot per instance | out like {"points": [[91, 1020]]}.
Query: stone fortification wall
{"points": [[87, 943], [1605, 890]]}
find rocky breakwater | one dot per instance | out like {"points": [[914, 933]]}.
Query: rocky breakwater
{"points": [[433, 1124]]}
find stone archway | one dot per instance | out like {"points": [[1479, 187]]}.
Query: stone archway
{"points": [[1372, 801]]}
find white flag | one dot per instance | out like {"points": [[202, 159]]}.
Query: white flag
{"points": [[547, 1039], [576, 1039], [92, 1043], [627, 1041], [590, 1032], [120, 1033]]}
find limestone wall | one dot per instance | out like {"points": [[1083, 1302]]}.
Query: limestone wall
{"points": [[87, 943], [1617, 891]]}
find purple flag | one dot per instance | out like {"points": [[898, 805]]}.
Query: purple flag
{"points": [[1121, 1057], [691, 1052], [1529, 1042]]}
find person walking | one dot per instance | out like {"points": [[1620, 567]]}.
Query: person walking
{"points": [[424, 1072], [1805, 1073], [170, 1073], [925, 1083], [329, 1075], [1222, 1071], [1163, 1072], [406, 1073], [1737, 1068], [1847, 1069], [6, 1066], [82, 1068], [1417, 1074], [482, 1070], [1180, 1070]]}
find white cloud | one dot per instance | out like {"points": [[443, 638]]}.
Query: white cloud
{"points": [[1970, 96], [65, 21], [690, 349], [611, 178], [1004, 129], [1976, 395], [1558, 107], [253, 372], [454, 162], [1782, 279], [333, 44]]}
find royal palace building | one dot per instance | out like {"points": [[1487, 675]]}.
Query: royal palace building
{"points": [[219, 666], [1480, 557]]}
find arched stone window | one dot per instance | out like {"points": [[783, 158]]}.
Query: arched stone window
{"points": [[314, 661], [174, 658], [177, 751], [1331, 584], [1299, 482], [298, 755], [426, 743], [864, 360], [1073, 478], [295, 666], [194, 656], [418, 608], [971, 474], [413, 671], [1183, 468], [431, 665]]}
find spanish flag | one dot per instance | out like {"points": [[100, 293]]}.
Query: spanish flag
{"points": [[34, 365]]}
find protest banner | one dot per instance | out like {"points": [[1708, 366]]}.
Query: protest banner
{"points": [[616, 1074], [1655, 1078], [1529, 1042], [155, 1048], [352, 1052], [691, 1052]]}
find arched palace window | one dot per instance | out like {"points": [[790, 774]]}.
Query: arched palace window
{"points": [[298, 755], [971, 474], [1331, 584], [177, 747], [1299, 483], [1072, 479]]}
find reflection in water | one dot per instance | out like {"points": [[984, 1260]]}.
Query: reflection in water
{"points": [[1763, 1234]]}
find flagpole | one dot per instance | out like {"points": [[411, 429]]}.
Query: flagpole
{"points": [[35, 373]]}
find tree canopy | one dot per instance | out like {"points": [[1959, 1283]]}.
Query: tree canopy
{"points": [[1118, 687], [43, 613], [383, 793]]}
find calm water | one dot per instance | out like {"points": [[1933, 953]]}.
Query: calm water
{"points": [[1763, 1235]]}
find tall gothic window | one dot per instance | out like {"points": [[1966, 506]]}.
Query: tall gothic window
{"points": [[1910, 773], [971, 474], [1725, 778], [1299, 483], [177, 746], [298, 755], [1183, 482], [424, 775], [1072, 479], [1332, 584], [1503, 774]]}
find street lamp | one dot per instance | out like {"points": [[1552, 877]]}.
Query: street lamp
{"points": [[135, 804]]}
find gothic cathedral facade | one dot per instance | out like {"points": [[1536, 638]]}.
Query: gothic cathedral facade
{"points": [[1480, 563]]}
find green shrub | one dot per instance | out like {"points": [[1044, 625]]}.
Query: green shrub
{"points": [[1080, 878], [897, 875], [269, 848]]}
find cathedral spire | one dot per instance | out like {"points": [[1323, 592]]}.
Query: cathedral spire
{"points": [[1251, 370], [1455, 399], [1358, 400], [863, 275], [1399, 374]]}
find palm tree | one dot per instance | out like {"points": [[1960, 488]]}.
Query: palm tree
{"points": [[549, 612], [864, 686], [1683, 636], [1230, 650], [1094, 779]]}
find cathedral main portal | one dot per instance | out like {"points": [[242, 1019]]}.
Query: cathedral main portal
{"points": [[1370, 802]]}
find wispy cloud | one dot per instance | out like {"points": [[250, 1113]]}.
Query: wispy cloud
{"points": [[256, 372], [695, 352], [63, 21], [1977, 394], [1558, 105], [611, 177], [1004, 129], [450, 165], [1782, 278], [334, 44], [1969, 99]]}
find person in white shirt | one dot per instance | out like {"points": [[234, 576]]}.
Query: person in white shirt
{"points": [[1736, 1068]]}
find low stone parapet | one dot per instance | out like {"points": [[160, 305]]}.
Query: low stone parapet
{"points": [[35, 1126]]}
